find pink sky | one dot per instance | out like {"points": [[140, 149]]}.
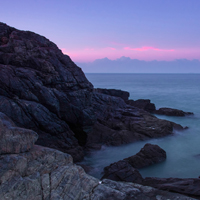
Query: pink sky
{"points": [[147, 53]]}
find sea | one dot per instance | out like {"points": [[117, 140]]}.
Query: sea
{"points": [[180, 91]]}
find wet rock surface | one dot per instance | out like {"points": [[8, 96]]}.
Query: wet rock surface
{"points": [[172, 112]]}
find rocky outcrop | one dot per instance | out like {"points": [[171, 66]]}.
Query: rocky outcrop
{"points": [[172, 112], [113, 92], [150, 154], [144, 104], [42, 173], [118, 123], [122, 171], [187, 186], [43, 90]]}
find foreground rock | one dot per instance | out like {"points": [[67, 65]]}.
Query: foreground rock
{"points": [[187, 186], [172, 112], [144, 104], [150, 154], [14, 139], [44, 173]]}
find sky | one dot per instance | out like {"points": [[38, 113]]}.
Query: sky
{"points": [[87, 30]]}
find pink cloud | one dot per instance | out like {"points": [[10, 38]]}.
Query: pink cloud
{"points": [[146, 49], [110, 48]]}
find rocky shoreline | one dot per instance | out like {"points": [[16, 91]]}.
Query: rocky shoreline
{"points": [[45, 97]]}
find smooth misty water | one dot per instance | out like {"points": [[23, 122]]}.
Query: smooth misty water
{"points": [[181, 91]]}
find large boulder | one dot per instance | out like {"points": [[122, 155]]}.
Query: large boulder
{"points": [[150, 154], [172, 112]]}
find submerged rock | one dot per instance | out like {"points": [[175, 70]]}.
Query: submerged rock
{"points": [[172, 112]]}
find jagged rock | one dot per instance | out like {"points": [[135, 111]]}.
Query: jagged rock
{"points": [[171, 112], [187, 186], [14, 139], [144, 104], [43, 90], [122, 171], [113, 92], [148, 155]]}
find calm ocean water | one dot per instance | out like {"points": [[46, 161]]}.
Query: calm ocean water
{"points": [[181, 91]]}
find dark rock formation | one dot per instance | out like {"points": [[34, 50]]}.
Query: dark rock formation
{"points": [[172, 112], [144, 104], [14, 139], [43, 90], [148, 155], [187, 186], [113, 92], [122, 171]]}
